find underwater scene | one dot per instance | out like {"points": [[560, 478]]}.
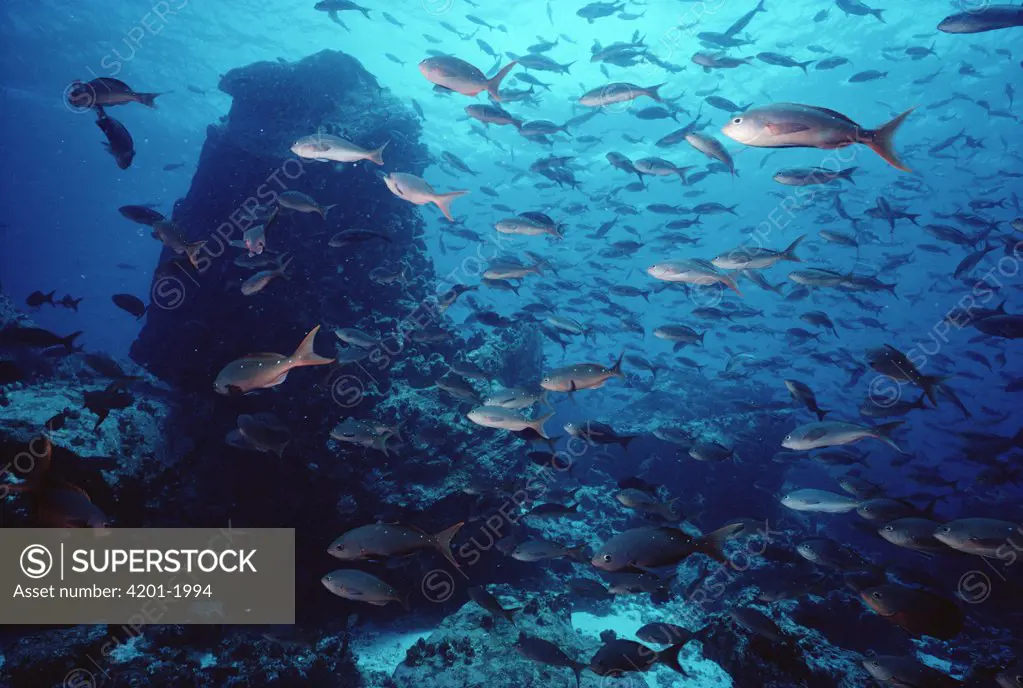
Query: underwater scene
{"points": [[580, 344]]}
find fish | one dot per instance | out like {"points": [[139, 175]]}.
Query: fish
{"points": [[983, 537], [119, 142], [384, 540], [619, 92], [480, 596], [807, 176], [643, 501], [130, 303], [905, 671], [819, 501], [837, 433], [987, 17], [461, 77], [712, 148], [790, 125], [18, 335], [413, 189], [262, 371], [916, 611], [541, 550], [650, 547], [914, 533], [801, 392], [545, 652], [360, 586], [259, 281], [619, 656], [141, 214], [694, 271], [506, 419], [296, 200], [757, 257], [581, 376], [106, 92], [324, 147]]}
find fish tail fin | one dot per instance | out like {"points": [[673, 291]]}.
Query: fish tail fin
{"points": [[884, 433], [790, 252], [580, 554], [147, 99], [878, 14], [377, 154], [305, 355], [578, 668], [804, 65], [69, 341], [711, 544], [284, 261], [730, 283], [567, 66], [326, 209], [365, 12], [882, 141], [537, 424], [494, 84], [930, 383], [653, 93], [821, 413], [443, 202], [669, 658], [1018, 439], [48, 298], [616, 369], [443, 540], [624, 441], [847, 174]]}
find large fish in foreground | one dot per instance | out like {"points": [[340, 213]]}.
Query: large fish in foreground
{"points": [[790, 125], [656, 546], [260, 371], [983, 18], [324, 147], [581, 376], [832, 433], [461, 77], [413, 189]]}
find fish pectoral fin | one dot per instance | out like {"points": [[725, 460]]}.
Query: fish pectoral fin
{"points": [[778, 128]]}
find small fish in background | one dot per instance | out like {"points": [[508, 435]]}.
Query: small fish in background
{"points": [[359, 586], [303, 203], [70, 302], [332, 7], [173, 166]]}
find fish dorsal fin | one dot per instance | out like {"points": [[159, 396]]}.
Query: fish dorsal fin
{"points": [[833, 113], [73, 488]]}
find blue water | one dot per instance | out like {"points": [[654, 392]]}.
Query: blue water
{"points": [[61, 229]]}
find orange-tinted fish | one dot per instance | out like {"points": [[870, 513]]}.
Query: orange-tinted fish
{"points": [[260, 371]]}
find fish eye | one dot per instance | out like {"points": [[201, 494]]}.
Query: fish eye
{"points": [[876, 595], [737, 120], [888, 529], [607, 558]]}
